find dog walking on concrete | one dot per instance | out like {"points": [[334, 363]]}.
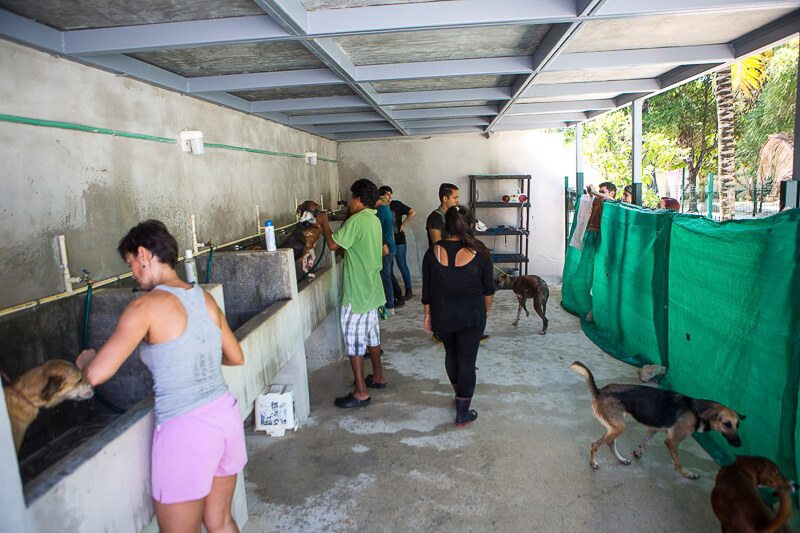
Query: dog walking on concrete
{"points": [[526, 287], [660, 410]]}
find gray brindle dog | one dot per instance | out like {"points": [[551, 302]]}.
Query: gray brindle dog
{"points": [[525, 287]]}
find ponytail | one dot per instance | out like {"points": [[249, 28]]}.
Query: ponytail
{"points": [[459, 222]]}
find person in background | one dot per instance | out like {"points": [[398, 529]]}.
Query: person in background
{"points": [[434, 225], [198, 445], [669, 203], [627, 194], [389, 251], [362, 293], [457, 294], [608, 189], [399, 211]]}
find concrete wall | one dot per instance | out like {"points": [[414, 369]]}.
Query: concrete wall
{"points": [[93, 187], [414, 168]]}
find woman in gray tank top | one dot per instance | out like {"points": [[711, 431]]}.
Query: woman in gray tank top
{"points": [[198, 442]]}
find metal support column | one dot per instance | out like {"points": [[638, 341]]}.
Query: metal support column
{"points": [[636, 149], [578, 160]]}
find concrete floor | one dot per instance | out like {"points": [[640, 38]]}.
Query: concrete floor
{"points": [[400, 464]]}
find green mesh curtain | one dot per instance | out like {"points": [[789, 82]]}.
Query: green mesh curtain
{"points": [[718, 303]]}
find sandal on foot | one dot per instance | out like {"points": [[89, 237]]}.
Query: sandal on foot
{"points": [[372, 384], [346, 402]]}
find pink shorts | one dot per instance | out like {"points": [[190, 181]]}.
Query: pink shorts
{"points": [[190, 450]]}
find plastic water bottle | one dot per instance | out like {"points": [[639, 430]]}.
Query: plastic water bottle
{"points": [[269, 236], [191, 268]]}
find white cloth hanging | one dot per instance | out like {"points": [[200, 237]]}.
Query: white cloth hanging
{"points": [[584, 212]]}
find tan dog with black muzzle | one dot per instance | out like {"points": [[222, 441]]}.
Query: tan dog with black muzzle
{"points": [[46, 385], [737, 502], [658, 409]]}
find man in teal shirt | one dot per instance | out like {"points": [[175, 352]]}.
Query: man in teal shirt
{"points": [[362, 294]]}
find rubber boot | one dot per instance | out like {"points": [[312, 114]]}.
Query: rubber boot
{"points": [[464, 415]]}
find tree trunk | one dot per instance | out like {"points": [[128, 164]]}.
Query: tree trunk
{"points": [[725, 115], [691, 184]]}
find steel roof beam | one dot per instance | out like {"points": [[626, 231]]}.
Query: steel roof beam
{"points": [[448, 95], [335, 118], [293, 17], [443, 131], [356, 136], [441, 69], [445, 123], [560, 107], [170, 35], [263, 80], [346, 128], [296, 104], [537, 119], [537, 126], [611, 88], [677, 55], [445, 112]]}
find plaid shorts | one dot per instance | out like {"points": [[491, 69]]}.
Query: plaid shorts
{"points": [[359, 330]]}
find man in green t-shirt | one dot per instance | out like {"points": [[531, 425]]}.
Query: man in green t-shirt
{"points": [[362, 294]]}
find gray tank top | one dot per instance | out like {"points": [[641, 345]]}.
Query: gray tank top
{"points": [[187, 371]]}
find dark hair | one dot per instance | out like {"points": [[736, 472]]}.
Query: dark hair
{"points": [[153, 235], [384, 189], [629, 189], [671, 203], [446, 189], [608, 185], [459, 222], [366, 191]]}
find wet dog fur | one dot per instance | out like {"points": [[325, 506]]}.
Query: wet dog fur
{"points": [[47, 385], [305, 235], [737, 502], [660, 410], [526, 287]]}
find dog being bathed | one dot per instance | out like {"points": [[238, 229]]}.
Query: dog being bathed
{"points": [[46, 385], [305, 235], [660, 410], [525, 287]]}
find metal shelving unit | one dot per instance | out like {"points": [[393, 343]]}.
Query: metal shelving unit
{"points": [[522, 231]]}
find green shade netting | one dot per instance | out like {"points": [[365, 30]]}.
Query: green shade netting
{"points": [[717, 303]]}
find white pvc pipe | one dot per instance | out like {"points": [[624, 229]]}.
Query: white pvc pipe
{"points": [[258, 220], [194, 235], [62, 249]]}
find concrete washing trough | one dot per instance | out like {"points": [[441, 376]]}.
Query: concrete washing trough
{"points": [[110, 469]]}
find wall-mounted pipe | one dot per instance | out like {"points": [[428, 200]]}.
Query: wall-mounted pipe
{"points": [[120, 277]]}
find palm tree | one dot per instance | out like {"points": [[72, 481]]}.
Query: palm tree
{"points": [[742, 80]]}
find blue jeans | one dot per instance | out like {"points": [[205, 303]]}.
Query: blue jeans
{"points": [[386, 278], [403, 265]]}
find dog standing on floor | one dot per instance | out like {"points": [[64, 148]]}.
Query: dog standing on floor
{"points": [[737, 502], [305, 235], [660, 410], [525, 287], [46, 385]]}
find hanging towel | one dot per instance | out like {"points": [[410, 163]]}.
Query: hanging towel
{"points": [[584, 212]]}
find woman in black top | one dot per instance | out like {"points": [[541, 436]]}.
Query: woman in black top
{"points": [[457, 291]]}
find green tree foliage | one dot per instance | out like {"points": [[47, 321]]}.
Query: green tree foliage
{"points": [[687, 115], [772, 111]]}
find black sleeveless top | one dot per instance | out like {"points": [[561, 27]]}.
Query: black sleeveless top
{"points": [[455, 294]]}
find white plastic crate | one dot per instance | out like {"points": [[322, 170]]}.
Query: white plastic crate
{"points": [[275, 411]]}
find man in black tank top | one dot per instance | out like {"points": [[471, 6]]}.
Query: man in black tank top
{"points": [[434, 225]]}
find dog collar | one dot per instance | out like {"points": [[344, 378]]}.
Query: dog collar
{"points": [[22, 397]]}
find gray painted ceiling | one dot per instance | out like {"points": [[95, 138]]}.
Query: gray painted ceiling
{"points": [[441, 105], [232, 59], [349, 69], [315, 5], [434, 45], [280, 93], [79, 14], [433, 84]]}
